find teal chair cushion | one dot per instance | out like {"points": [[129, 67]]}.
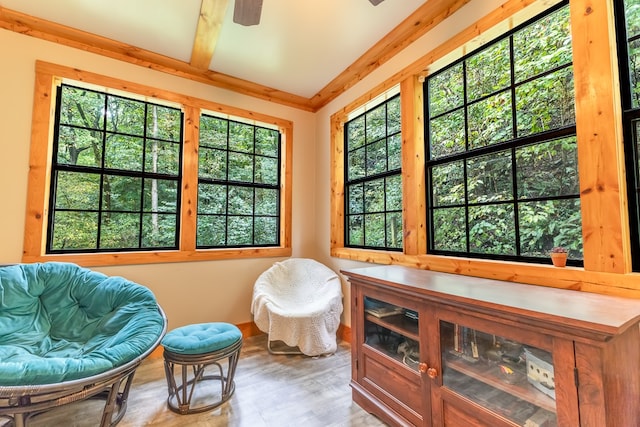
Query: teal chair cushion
{"points": [[201, 338], [60, 322]]}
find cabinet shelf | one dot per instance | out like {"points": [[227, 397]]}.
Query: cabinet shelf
{"points": [[398, 323], [490, 375]]}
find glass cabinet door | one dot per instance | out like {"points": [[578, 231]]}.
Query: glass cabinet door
{"points": [[507, 377], [392, 330]]}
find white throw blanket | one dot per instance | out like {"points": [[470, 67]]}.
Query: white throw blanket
{"points": [[299, 301]]}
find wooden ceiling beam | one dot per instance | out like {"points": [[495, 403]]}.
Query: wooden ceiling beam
{"points": [[72, 37], [212, 13]]}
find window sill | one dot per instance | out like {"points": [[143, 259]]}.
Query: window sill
{"points": [[132, 258]]}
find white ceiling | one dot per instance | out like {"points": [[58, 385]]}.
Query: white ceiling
{"points": [[298, 47]]}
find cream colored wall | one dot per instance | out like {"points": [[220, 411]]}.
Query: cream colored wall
{"points": [[188, 292], [465, 17]]}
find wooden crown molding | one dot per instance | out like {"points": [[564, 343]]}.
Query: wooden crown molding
{"points": [[417, 24]]}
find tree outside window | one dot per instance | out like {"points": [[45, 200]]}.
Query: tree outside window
{"points": [[373, 181], [238, 184], [115, 173], [502, 175]]}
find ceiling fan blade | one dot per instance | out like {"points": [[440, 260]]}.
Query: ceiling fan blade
{"points": [[247, 12], [375, 2]]}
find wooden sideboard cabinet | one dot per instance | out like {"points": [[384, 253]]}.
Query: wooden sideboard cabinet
{"points": [[437, 349]]}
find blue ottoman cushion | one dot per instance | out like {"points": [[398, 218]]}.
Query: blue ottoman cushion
{"points": [[201, 338]]}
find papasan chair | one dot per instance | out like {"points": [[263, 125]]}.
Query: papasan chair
{"points": [[298, 301]]}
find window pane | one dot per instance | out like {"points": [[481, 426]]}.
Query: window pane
{"points": [[162, 157], [241, 137], [240, 167], [160, 195], [159, 230], [355, 197], [266, 231], [546, 103], [79, 147], [489, 178], [240, 200], [123, 152], [394, 147], [393, 192], [446, 90], [376, 124], [164, 123], [490, 121], [377, 157], [394, 230], [77, 191], [393, 116], [634, 72], [266, 201], [212, 199], [213, 132], [355, 133], [212, 164], [550, 223], [82, 107], [267, 142], [489, 70], [212, 230], [548, 169], [447, 134], [120, 230], [543, 46], [449, 229], [374, 196], [125, 116], [492, 229], [121, 193], [74, 230], [355, 230], [266, 170], [240, 229], [374, 226], [447, 182], [356, 164]]}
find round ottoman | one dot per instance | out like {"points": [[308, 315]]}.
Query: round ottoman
{"points": [[194, 348]]}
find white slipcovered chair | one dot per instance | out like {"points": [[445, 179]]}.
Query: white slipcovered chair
{"points": [[298, 301]]}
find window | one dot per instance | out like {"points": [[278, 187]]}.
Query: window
{"points": [[502, 177], [628, 28], [238, 184], [373, 180], [123, 173], [115, 174]]}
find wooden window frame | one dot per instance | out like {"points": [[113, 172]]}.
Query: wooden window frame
{"points": [[34, 249], [605, 225]]}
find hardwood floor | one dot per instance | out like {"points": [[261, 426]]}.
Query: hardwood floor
{"points": [[271, 391]]}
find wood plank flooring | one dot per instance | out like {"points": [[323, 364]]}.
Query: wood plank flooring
{"points": [[271, 391]]}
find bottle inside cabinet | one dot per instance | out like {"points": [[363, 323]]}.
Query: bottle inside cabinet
{"points": [[507, 377], [393, 331]]}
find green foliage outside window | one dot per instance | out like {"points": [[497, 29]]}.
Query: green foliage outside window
{"points": [[238, 185], [502, 161], [116, 173], [373, 182]]}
